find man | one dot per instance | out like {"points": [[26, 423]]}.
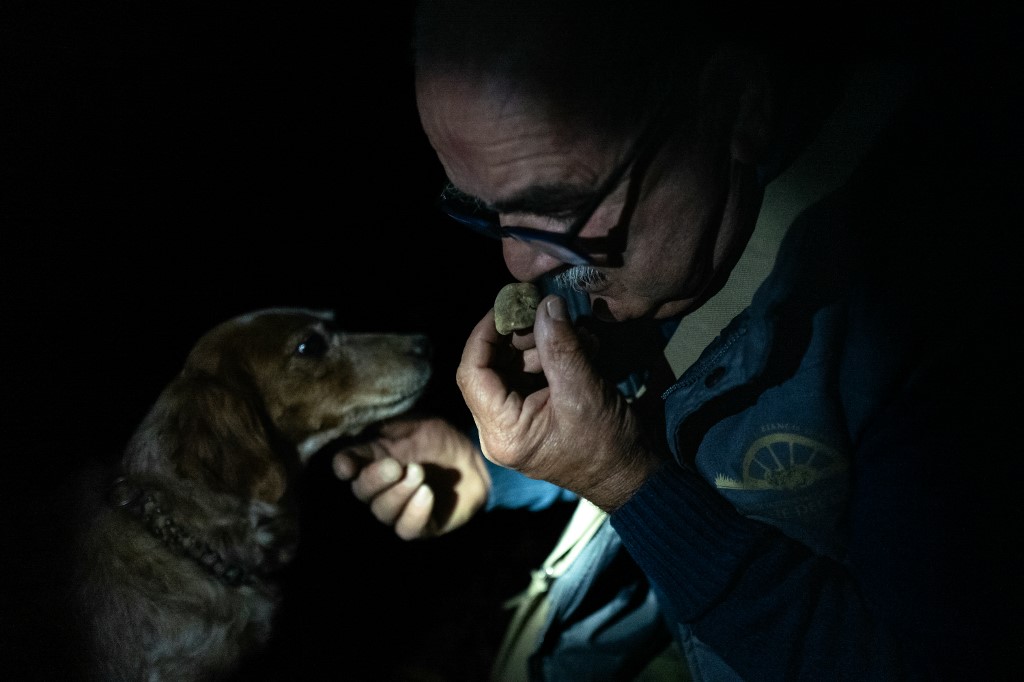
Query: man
{"points": [[815, 494]]}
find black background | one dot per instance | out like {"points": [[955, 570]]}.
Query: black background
{"points": [[168, 166]]}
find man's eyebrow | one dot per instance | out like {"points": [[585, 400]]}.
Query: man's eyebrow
{"points": [[545, 199]]}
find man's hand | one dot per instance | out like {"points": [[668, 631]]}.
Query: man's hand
{"points": [[567, 426], [421, 475]]}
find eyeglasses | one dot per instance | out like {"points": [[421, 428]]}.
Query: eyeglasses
{"points": [[567, 246]]}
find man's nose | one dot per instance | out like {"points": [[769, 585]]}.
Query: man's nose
{"points": [[526, 263]]}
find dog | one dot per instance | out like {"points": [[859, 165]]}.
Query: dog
{"points": [[179, 563]]}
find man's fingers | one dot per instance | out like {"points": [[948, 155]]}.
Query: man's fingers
{"points": [[388, 489], [349, 462], [375, 477], [345, 466], [414, 521], [563, 351]]}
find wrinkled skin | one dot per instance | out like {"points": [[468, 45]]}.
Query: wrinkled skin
{"points": [[576, 413]]}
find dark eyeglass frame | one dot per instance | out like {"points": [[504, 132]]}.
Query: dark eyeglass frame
{"points": [[567, 246]]}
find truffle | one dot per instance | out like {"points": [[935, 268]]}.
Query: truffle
{"points": [[515, 307]]}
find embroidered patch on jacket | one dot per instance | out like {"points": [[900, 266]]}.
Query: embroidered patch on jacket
{"points": [[785, 461], [793, 481]]}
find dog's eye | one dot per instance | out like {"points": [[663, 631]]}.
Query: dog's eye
{"points": [[313, 346]]}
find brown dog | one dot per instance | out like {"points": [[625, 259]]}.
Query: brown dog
{"points": [[177, 564]]}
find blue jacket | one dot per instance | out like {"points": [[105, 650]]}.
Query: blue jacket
{"points": [[838, 502]]}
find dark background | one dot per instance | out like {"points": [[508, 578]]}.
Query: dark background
{"points": [[168, 166]]}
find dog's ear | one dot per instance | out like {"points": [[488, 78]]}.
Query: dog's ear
{"points": [[218, 436]]}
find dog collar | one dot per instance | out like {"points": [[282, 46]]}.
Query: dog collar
{"points": [[124, 494]]}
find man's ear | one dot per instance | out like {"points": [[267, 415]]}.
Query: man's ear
{"points": [[736, 87]]}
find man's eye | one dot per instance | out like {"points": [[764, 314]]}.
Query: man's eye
{"points": [[567, 215], [552, 221], [313, 346]]}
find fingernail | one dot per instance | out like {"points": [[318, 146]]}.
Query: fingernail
{"points": [[343, 468], [413, 474], [557, 309], [422, 497], [389, 470]]}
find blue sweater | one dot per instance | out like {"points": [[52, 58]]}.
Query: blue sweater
{"points": [[840, 500], [839, 504]]}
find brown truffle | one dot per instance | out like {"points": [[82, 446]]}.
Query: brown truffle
{"points": [[515, 307]]}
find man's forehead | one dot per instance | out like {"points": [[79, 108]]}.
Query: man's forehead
{"points": [[469, 108], [495, 144]]}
